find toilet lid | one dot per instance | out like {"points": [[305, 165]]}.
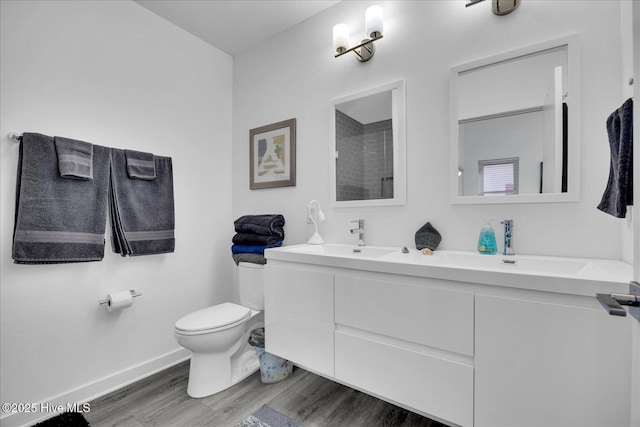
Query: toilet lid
{"points": [[214, 317]]}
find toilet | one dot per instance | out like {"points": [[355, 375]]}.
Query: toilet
{"points": [[218, 336]]}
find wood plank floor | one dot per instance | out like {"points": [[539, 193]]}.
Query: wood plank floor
{"points": [[162, 400]]}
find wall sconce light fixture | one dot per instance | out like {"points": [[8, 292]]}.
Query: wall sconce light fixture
{"points": [[499, 7], [365, 50]]}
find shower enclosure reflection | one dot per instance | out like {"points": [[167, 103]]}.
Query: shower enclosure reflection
{"points": [[364, 163], [368, 150]]}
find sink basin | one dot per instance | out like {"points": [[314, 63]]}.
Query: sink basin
{"points": [[576, 276], [529, 264], [344, 250], [526, 264]]}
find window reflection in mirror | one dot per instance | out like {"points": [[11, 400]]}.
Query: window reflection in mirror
{"points": [[508, 109], [517, 106]]}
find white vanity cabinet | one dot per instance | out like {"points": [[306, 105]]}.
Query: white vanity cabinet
{"points": [[299, 315], [406, 340], [540, 363], [486, 347]]}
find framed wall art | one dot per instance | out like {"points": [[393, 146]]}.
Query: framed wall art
{"points": [[272, 151]]}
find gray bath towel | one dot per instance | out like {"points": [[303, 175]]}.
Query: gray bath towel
{"points": [[142, 212], [619, 192], [140, 165], [75, 158], [247, 257], [58, 220], [427, 237]]}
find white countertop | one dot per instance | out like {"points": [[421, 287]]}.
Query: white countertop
{"points": [[576, 276]]}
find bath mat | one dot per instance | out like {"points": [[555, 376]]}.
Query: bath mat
{"points": [[267, 417], [66, 419]]}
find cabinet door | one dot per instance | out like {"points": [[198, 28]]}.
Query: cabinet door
{"points": [[299, 315], [541, 364]]}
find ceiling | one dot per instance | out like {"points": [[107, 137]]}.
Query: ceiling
{"points": [[369, 109], [235, 26]]}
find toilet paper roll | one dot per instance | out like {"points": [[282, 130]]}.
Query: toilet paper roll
{"points": [[119, 300]]}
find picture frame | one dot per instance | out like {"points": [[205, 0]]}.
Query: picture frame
{"points": [[272, 155]]}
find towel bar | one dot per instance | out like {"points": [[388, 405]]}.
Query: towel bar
{"points": [[133, 294], [15, 137]]}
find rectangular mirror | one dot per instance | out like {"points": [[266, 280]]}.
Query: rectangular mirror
{"points": [[515, 126], [368, 148]]}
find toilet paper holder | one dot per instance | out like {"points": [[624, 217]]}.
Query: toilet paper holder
{"points": [[133, 294]]}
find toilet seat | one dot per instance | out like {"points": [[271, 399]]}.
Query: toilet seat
{"points": [[213, 319]]}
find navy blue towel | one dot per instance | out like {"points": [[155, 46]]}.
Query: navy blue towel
{"points": [[254, 239], [619, 192], [253, 249], [266, 225]]}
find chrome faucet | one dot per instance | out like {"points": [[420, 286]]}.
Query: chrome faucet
{"points": [[508, 235], [359, 230]]}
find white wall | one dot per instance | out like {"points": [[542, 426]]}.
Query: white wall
{"points": [[111, 73], [632, 70], [295, 75], [499, 88], [630, 33]]}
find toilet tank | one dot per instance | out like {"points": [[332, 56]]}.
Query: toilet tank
{"points": [[251, 285]]}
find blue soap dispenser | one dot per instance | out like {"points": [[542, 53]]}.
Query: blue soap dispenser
{"points": [[487, 239]]}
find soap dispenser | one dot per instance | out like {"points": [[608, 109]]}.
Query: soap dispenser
{"points": [[487, 239]]}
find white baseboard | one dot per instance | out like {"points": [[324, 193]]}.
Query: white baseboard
{"points": [[91, 391]]}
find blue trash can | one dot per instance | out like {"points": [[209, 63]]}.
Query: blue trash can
{"points": [[272, 367]]}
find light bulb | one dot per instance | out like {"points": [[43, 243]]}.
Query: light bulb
{"points": [[373, 20], [340, 37]]}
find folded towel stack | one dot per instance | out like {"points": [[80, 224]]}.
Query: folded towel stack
{"points": [[254, 234]]}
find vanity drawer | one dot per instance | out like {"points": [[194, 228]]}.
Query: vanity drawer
{"points": [[428, 384], [415, 312]]}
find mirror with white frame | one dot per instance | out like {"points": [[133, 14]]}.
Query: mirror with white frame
{"points": [[367, 134], [515, 126]]}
